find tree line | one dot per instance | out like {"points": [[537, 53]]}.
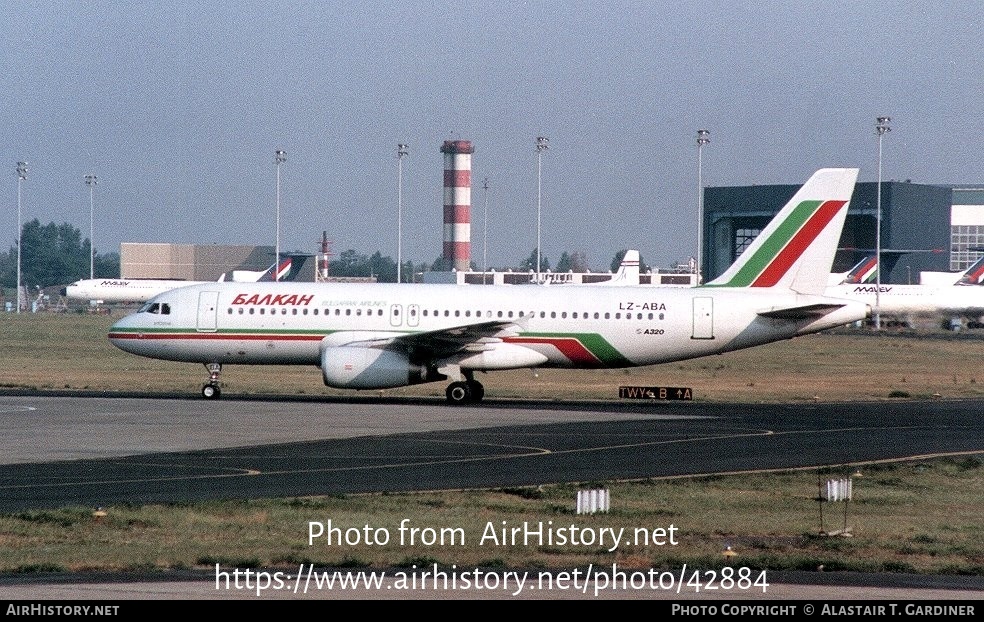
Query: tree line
{"points": [[54, 255]]}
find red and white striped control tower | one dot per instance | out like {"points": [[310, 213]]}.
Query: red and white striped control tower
{"points": [[457, 203]]}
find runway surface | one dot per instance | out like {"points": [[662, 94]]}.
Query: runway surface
{"points": [[90, 451], [93, 451]]}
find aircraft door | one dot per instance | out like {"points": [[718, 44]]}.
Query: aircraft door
{"points": [[208, 303], [703, 318], [413, 315], [396, 315]]}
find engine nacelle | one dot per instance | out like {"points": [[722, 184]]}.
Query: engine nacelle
{"points": [[354, 367]]}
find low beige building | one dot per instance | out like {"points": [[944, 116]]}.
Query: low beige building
{"points": [[191, 262]]}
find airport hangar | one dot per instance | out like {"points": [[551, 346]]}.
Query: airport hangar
{"points": [[944, 223]]}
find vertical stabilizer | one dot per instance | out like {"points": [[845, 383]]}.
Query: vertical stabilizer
{"points": [[796, 250], [864, 272], [974, 275]]}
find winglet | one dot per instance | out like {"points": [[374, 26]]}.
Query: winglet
{"points": [[795, 251]]}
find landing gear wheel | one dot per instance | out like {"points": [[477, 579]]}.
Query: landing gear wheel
{"points": [[458, 393], [210, 390], [477, 390]]}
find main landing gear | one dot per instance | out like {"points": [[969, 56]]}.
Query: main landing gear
{"points": [[211, 390], [465, 391]]}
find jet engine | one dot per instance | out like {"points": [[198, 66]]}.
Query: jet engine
{"points": [[353, 367]]}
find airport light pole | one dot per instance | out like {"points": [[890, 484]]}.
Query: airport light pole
{"points": [[91, 181], [881, 128], [541, 146], [402, 150], [485, 232], [21, 176], [703, 138], [280, 156]]}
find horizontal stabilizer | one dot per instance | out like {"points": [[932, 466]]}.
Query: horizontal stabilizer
{"points": [[804, 312]]}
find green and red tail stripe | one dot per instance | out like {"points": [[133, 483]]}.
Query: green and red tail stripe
{"points": [[777, 254]]}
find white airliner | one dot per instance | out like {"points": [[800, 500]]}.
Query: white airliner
{"points": [[374, 336], [905, 303], [142, 290]]}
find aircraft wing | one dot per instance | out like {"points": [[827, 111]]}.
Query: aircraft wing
{"points": [[437, 344], [802, 312]]}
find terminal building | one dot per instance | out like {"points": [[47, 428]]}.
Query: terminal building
{"points": [[941, 225]]}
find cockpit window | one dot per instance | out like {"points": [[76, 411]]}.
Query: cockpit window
{"points": [[159, 308]]}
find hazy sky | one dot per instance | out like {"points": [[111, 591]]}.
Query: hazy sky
{"points": [[178, 108]]}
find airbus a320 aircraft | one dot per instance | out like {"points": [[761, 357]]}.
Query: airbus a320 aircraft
{"points": [[375, 336]]}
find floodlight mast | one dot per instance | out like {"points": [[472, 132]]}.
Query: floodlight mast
{"points": [[280, 156], [881, 128], [91, 181], [703, 138], [21, 176], [402, 150], [541, 146]]}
